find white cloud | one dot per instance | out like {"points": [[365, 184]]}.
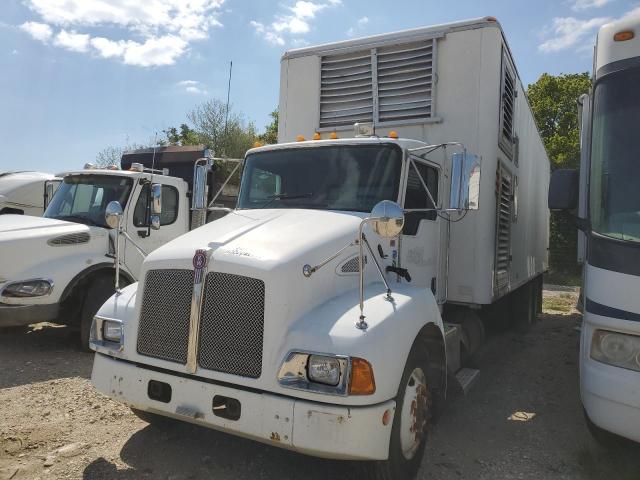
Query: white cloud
{"points": [[578, 5], [360, 24], [39, 31], [193, 86], [294, 21], [568, 32], [157, 32], [76, 42]]}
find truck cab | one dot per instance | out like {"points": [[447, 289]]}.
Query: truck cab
{"points": [[26, 193], [60, 267]]}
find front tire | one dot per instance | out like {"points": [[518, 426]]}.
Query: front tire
{"points": [[97, 293], [411, 419]]}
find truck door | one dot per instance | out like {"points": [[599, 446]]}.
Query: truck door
{"points": [[137, 224], [420, 240]]}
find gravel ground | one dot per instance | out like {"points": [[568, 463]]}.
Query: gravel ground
{"points": [[54, 425]]}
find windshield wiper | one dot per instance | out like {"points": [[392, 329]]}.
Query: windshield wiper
{"points": [[78, 219], [285, 196]]}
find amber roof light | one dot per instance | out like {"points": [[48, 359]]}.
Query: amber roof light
{"points": [[624, 36]]}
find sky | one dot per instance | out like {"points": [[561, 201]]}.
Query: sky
{"points": [[77, 76]]}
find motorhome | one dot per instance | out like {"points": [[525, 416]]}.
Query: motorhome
{"points": [[26, 193], [60, 267], [330, 311], [605, 193]]}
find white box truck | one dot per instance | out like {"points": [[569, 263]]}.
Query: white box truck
{"points": [[605, 194], [60, 267], [312, 317], [26, 193]]}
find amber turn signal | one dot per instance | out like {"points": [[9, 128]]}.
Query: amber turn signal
{"points": [[623, 36], [362, 381], [300, 138], [316, 136], [333, 136]]}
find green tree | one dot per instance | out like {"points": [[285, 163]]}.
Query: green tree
{"points": [[184, 136], [111, 154], [227, 133], [553, 100], [554, 103], [270, 136]]}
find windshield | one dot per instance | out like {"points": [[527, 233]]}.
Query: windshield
{"points": [[615, 156], [84, 198], [350, 178]]}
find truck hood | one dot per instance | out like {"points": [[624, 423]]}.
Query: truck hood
{"points": [[35, 247], [265, 239], [25, 223]]}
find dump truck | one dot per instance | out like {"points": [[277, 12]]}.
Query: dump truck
{"points": [[60, 267], [332, 310]]}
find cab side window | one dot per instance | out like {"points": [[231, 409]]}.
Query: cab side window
{"points": [[169, 206], [417, 198]]}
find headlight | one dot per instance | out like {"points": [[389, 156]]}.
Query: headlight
{"points": [[327, 373], [30, 288], [617, 349], [112, 330], [323, 369]]}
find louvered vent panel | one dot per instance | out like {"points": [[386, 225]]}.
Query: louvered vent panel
{"points": [[508, 101], [346, 92], [405, 81], [503, 229]]}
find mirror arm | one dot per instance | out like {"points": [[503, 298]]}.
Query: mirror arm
{"points": [[424, 185], [361, 324], [215, 197], [128, 237], [384, 280], [308, 270]]}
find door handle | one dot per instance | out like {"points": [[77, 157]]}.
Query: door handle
{"points": [[143, 233]]}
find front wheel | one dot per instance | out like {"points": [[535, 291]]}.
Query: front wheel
{"points": [[98, 292], [412, 416]]}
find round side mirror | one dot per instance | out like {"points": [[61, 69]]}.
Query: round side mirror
{"points": [[387, 219], [113, 214]]}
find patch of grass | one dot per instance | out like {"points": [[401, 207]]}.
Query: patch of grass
{"points": [[561, 303]]}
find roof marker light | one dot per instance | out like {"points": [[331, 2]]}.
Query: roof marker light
{"points": [[316, 136], [333, 136], [300, 138], [393, 134], [257, 144], [623, 36]]}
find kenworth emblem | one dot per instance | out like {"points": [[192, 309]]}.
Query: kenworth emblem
{"points": [[199, 264]]}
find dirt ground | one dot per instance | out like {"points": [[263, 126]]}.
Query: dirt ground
{"points": [[54, 425]]}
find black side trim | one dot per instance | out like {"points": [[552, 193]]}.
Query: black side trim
{"points": [[605, 311], [615, 255], [616, 66]]}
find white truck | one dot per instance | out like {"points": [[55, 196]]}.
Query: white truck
{"points": [[60, 267], [26, 193], [324, 313], [605, 194]]}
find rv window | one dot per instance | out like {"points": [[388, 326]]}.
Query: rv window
{"points": [[169, 206], [417, 198]]}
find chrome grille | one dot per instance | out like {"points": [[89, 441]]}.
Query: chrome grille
{"points": [[232, 325], [164, 317]]}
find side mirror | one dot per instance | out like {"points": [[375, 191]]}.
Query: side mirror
{"points": [[563, 189], [156, 199], [387, 219], [465, 182], [200, 186], [156, 205], [49, 190], [113, 214]]}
